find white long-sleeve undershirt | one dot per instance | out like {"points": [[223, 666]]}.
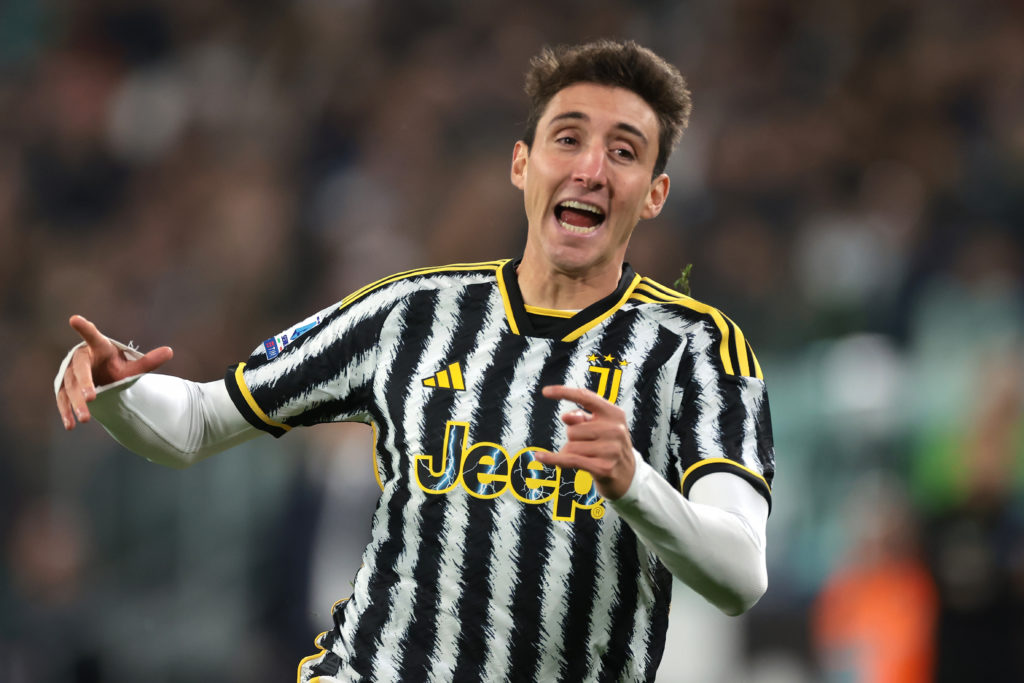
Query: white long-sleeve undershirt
{"points": [[714, 541], [169, 420]]}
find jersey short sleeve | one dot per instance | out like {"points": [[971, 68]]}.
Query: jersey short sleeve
{"points": [[724, 420], [317, 370]]}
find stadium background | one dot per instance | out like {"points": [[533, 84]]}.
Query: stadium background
{"points": [[201, 173]]}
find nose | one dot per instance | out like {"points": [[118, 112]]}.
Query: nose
{"points": [[590, 167]]}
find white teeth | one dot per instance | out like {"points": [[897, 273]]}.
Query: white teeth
{"points": [[578, 229], [582, 206], [573, 204]]}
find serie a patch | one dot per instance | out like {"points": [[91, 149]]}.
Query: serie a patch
{"points": [[276, 344]]}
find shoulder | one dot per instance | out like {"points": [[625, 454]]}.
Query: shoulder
{"points": [[410, 282], [685, 316], [658, 301]]}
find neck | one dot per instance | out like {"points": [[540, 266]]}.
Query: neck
{"points": [[547, 287]]}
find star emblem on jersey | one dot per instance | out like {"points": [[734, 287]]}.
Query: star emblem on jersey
{"points": [[607, 359], [447, 378], [608, 369]]}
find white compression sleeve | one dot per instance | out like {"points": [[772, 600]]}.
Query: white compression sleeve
{"points": [[169, 420], [714, 542]]}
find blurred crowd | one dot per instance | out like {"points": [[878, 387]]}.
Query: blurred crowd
{"points": [[203, 173]]}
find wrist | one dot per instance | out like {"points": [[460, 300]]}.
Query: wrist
{"points": [[627, 491]]}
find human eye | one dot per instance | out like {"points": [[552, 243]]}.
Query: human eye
{"points": [[624, 153], [566, 139]]}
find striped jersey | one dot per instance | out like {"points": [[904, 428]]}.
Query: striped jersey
{"points": [[484, 564]]}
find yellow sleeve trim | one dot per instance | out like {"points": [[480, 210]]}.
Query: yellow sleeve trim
{"points": [[242, 387], [721, 461]]}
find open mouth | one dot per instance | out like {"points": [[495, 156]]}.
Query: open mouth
{"points": [[579, 217]]}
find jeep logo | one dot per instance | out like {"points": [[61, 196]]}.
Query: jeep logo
{"points": [[485, 470]]}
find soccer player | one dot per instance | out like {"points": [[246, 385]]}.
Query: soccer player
{"points": [[556, 436]]}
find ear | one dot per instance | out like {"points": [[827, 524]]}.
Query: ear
{"points": [[656, 197], [520, 155]]}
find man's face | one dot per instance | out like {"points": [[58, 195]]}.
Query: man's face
{"points": [[586, 180]]}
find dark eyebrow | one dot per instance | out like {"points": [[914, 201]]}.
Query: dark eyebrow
{"points": [[580, 116]]}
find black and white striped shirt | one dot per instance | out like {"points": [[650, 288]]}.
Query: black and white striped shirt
{"points": [[484, 564]]}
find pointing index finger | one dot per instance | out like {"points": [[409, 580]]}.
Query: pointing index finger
{"points": [[585, 398], [92, 336]]}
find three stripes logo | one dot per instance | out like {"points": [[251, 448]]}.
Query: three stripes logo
{"points": [[607, 368], [449, 378]]}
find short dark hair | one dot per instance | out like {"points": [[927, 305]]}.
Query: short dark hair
{"points": [[620, 64]]}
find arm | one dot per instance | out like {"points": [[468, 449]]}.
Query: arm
{"points": [[168, 420], [714, 542], [171, 421]]}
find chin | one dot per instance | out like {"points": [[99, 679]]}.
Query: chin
{"points": [[574, 262]]}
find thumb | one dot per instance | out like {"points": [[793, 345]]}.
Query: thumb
{"points": [[575, 417], [151, 361]]}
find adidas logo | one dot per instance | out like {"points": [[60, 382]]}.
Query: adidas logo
{"points": [[449, 378]]}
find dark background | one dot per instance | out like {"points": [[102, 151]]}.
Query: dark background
{"points": [[204, 173]]}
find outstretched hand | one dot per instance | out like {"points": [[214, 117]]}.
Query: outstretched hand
{"points": [[599, 441], [97, 363]]}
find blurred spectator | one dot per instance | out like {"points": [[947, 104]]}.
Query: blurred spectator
{"points": [[976, 547], [874, 620], [52, 640], [202, 174]]}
